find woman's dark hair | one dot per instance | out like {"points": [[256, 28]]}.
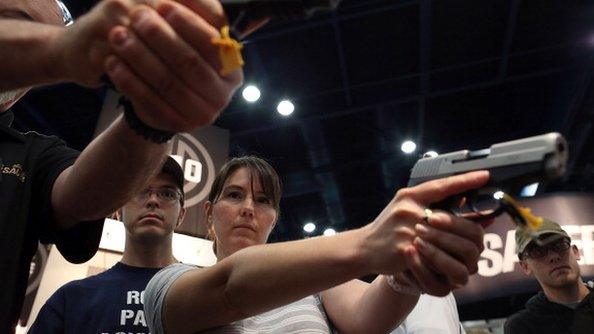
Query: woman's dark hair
{"points": [[259, 170]]}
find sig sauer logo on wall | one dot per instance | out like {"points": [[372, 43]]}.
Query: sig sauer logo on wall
{"points": [[201, 155], [199, 170]]}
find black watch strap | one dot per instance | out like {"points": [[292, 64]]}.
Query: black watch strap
{"points": [[138, 126]]}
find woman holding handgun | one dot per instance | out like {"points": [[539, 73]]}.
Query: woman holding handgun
{"points": [[311, 285]]}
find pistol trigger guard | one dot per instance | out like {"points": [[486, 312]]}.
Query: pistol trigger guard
{"points": [[480, 216], [447, 205]]}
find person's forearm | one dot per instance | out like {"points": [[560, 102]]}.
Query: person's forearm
{"points": [[360, 307], [260, 278], [264, 277], [27, 58], [113, 167], [381, 309]]}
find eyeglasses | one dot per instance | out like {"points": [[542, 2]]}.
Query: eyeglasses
{"points": [[537, 252], [166, 195]]}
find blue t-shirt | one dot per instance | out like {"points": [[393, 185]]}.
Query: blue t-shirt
{"points": [[109, 303]]}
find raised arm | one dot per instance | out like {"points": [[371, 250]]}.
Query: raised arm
{"points": [[103, 177], [446, 249], [40, 50], [43, 51], [260, 278], [41, 63], [163, 61]]}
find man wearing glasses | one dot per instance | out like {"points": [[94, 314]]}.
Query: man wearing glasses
{"points": [[111, 302], [565, 304]]}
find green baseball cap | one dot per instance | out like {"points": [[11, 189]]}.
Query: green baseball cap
{"points": [[548, 226]]}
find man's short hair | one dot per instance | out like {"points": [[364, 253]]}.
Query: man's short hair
{"points": [[548, 226]]}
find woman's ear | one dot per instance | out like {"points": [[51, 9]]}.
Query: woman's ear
{"points": [[207, 209], [210, 234]]}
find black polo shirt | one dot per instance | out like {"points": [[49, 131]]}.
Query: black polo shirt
{"points": [[29, 165]]}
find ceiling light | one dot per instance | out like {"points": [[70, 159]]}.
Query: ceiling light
{"points": [[309, 227], [408, 147], [251, 93], [285, 108]]}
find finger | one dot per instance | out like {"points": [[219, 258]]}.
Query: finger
{"points": [[151, 70], [115, 11], [200, 35], [478, 217], [197, 33], [142, 96], [193, 29], [459, 226], [442, 263], [189, 64], [440, 189], [407, 278], [428, 280], [210, 10], [458, 247]]}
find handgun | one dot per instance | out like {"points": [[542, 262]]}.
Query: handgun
{"points": [[241, 13], [512, 166]]}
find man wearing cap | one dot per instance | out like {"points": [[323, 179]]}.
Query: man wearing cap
{"points": [[111, 302], [565, 304]]}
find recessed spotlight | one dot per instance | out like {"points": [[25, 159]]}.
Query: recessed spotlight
{"points": [[251, 93], [309, 227], [408, 147], [285, 108]]}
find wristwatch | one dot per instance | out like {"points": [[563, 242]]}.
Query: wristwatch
{"points": [[138, 126]]}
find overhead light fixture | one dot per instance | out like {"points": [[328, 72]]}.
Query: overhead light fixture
{"points": [[309, 227], [329, 231], [251, 93], [408, 147], [285, 107]]}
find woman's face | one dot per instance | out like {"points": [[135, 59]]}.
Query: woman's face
{"points": [[242, 216]]}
